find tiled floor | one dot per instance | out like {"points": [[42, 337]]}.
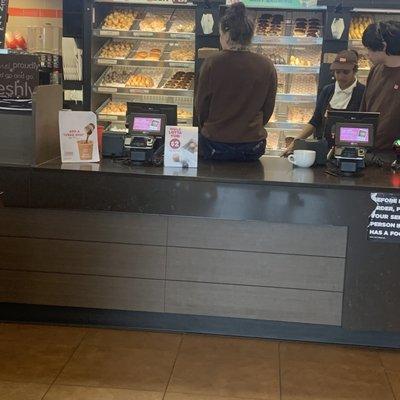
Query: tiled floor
{"points": [[62, 363]]}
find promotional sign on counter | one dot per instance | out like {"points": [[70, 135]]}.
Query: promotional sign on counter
{"points": [[384, 225], [181, 146], [78, 136], [19, 76]]}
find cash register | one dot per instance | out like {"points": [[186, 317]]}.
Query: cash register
{"points": [[354, 136], [144, 142], [146, 131], [145, 136]]}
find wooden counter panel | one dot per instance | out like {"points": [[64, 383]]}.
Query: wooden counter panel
{"points": [[327, 241], [82, 291], [14, 182], [113, 227], [17, 142], [89, 258], [257, 269], [291, 305]]}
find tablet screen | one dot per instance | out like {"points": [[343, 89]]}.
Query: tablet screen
{"points": [[354, 134], [146, 124]]}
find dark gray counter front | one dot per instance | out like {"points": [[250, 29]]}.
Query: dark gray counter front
{"points": [[255, 249]]}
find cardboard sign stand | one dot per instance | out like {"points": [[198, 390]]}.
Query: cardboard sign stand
{"points": [[181, 147], [78, 137]]}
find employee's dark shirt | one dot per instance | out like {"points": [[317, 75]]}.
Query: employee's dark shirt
{"points": [[324, 98], [236, 96], [383, 95]]}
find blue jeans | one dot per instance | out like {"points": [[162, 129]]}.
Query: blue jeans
{"points": [[250, 151]]}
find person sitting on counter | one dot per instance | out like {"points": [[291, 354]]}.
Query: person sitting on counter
{"points": [[383, 86], [345, 94], [236, 93]]}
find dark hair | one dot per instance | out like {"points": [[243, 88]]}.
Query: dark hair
{"points": [[376, 36], [239, 25], [356, 67]]}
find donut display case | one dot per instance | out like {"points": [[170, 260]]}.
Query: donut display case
{"points": [[293, 40], [142, 53]]}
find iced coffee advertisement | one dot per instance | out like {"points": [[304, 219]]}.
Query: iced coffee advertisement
{"points": [[78, 136], [181, 147]]}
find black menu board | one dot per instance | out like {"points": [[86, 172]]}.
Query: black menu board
{"points": [[3, 21], [19, 76], [384, 222]]}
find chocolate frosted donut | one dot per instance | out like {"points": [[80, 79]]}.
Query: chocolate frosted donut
{"points": [[265, 17]]}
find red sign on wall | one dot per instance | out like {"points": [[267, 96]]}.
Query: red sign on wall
{"points": [[3, 21]]}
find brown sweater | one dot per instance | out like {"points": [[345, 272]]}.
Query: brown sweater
{"points": [[236, 96], [383, 95]]}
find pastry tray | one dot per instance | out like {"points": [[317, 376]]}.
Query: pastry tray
{"points": [[166, 49], [130, 60], [161, 14], [182, 17], [307, 26], [118, 128], [139, 12], [271, 20], [285, 36], [109, 117], [111, 60], [128, 70], [135, 30], [171, 47], [146, 46], [155, 73], [165, 73], [121, 119], [188, 120]]}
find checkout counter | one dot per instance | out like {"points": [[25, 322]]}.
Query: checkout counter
{"points": [[260, 249]]}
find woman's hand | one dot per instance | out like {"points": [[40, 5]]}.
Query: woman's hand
{"points": [[308, 130], [288, 150]]}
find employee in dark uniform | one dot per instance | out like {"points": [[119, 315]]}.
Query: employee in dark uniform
{"points": [[383, 87], [236, 93], [345, 94]]}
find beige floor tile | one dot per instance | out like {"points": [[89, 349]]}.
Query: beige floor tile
{"points": [[329, 355], [60, 392], [218, 371], [186, 396], [32, 362], [22, 391], [315, 381], [228, 346], [26, 333], [238, 379], [139, 369], [133, 339], [394, 378], [391, 360]]}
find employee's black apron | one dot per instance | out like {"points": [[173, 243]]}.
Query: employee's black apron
{"points": [[328, 128]]}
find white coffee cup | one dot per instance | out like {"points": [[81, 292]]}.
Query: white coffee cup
{"points": [[303, 158]]}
